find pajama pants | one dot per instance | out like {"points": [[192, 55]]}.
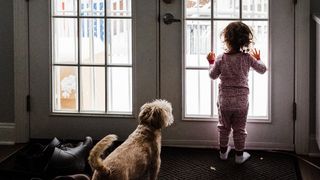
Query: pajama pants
{"points": [[233, 110]]}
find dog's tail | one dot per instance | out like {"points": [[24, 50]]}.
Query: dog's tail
{"points": [[95, 159]]}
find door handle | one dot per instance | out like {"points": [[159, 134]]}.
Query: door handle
{"points": [[168, 1], [168, 18]]}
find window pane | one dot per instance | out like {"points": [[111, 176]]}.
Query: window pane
{"points": [[98, 37], [198, 93], [258, 98], [64, 7], [261, 38], [92, 89], [65, 47], [197, 43], [91, 7], [226, 9], [119, 8], [251, 83], [92, 41], [255, 9], [260, 94], [119, 41], [198, 9], [196, 49], [215, 96], [65, 89], [119, 90]]}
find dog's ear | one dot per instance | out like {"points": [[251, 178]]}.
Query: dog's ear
{"points": [[159, 116], [145, 114]]}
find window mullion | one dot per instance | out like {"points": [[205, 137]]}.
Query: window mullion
{"points": [[212, 49], [105, 57], [240, 10], [78, 55]]}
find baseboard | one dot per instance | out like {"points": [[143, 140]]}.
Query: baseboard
{"points": [[7, 133], [313, 146], [190, 143], [214, 144]]}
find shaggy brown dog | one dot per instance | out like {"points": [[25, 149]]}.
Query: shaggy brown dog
{"points": [[140, 153]]}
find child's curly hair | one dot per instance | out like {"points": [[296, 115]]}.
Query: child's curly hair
{"points": [[237, 36]]}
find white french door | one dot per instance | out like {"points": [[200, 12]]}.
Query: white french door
{"points": [[184, 76], [92, 65]]}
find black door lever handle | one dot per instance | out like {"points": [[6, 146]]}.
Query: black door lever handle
{"points": [[168, 18]]}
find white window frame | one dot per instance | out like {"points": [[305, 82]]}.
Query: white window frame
{"points": [[105, 65], [212, 117]]}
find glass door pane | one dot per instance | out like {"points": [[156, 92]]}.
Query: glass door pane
{"points": [[92, 66], [203, 34], [92, 37]]}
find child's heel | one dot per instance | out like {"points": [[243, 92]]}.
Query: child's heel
{"points": [[224, 156], [241, 159]]}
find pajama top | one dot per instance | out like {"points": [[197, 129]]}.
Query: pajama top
{"points": [[233, 70]]}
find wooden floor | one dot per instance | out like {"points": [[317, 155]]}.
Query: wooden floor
{"points": [[7, 150], [308, 172]]}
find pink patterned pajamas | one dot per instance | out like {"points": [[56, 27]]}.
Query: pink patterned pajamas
{"points": [[233, 117], [233, 69]]}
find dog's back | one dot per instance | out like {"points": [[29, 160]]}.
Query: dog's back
{"points": [[140, 153], [95, 160]]}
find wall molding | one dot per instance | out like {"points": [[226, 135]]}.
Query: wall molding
{"points": [[7, 133], [313, 146], [215, 144]]}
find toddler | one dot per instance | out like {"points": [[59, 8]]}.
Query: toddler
{"points": [[232, 67]]}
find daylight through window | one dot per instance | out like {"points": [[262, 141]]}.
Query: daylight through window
{"points": [[91, 56], [203, 23]]}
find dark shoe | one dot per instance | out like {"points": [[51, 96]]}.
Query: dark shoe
{"points": [[54, 143], [35, 156], [69, 160], [73, 177]]}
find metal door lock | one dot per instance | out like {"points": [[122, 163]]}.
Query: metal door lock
{"points": [[168, 1], [168, 18]]}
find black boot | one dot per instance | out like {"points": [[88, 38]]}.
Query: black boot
{"points": [[69, 160], [31, 161]]}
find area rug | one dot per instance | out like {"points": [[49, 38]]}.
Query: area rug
{"points": [[193, 164]]}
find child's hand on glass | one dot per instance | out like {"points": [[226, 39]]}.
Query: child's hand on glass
{"points": [[255, 54], [211, 57]]}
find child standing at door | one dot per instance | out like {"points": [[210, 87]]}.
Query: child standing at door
{"points": [[232, 67]]}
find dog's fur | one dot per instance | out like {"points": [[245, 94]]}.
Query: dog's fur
{"points": [[140, 153]]}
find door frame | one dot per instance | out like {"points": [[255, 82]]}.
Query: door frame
{"points": [[21, 69], [302, 94], [302, 78]]}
